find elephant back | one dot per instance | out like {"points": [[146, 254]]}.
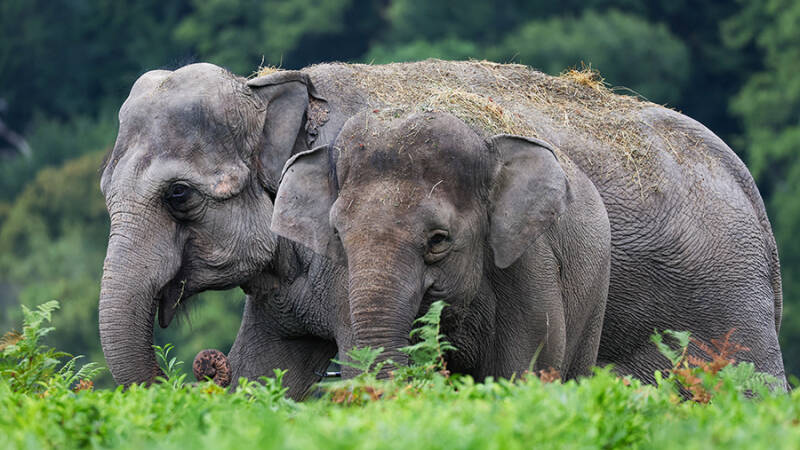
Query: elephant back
{"points": [[607, 134]]}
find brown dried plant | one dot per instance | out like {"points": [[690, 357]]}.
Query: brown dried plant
{"points": [[718, 355], [549, 375]]}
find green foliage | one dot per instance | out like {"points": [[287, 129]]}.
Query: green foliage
{"points": [[173, 375], [30, 367], [26, 362], [628, 50], [239, 34], [768, 106], [477, 21], [55, 141], [363, 360], [430, 346], [425, 20], [604, 411], [77, 379], [597, 412], [426, 353], [268, 391], [64, 58], [426, 366], [707, 377], [418, 50], [673, 355]]}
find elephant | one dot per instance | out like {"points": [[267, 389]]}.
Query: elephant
{"points": [[422, 209], [189, 185], [691, 245], [191, 179]]}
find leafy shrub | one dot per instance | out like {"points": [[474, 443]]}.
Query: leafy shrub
{"points": [[31, 367], [426, 368], [603, 411], [171, 367], [704, 378], [629, 50]]}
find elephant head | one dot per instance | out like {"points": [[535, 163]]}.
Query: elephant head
{"points": [[189, 187], [421, 209]]}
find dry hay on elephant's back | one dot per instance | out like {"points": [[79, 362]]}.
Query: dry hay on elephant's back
{"points": [[485, 94], [264, 70], [493, 98]]}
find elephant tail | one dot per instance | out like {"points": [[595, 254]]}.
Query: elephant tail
{"points": [[775, 274], [777, 288]]}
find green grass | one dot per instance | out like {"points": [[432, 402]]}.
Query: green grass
{"points": [[434, 411]]}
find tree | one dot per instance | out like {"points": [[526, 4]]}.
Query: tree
{"points": [[63, 57], [626, 49], [240, 34], [449, 48], [769, 107]]}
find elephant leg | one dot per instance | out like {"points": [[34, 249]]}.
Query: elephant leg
{"points": [[708, 315], [531, 317], [586, 347], [641, 364], [259, 349]]}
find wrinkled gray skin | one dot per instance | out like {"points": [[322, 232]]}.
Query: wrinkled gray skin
{"points": [[698, 255], [426, 210], [691, 245], [188, 187]]}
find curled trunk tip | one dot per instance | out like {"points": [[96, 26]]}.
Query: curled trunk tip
{"points": [[212, 364]]}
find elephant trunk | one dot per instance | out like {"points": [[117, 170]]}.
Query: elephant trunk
{"points": [[140, 260], [384, 300]]}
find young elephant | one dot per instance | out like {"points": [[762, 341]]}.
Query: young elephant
{"points": [[513, 238]]}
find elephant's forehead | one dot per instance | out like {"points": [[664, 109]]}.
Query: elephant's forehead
{"points": [[200, 100], [386, 191], [424, 149], [192, 129], [180, 116], [387, 201], [146, 172]]}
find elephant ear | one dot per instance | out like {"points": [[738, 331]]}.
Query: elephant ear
{"points": [[286, 95], [303, 203], [529, 193]]}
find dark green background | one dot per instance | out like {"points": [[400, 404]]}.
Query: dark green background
{"points": [[67, 65]]}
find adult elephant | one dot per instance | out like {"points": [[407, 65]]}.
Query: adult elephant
{"points": [[692, 248], [189, 187]]}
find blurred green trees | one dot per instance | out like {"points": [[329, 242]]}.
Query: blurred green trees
{"points": [[769, 107], [611, 42], [238, 33], [66, 67]]}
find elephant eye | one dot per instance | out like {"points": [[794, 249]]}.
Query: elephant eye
{"points": [[438, 244], [179, 196], [178, 192]]}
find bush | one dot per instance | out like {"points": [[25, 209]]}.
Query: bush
{"points": [[603, 411], [30, 367]]}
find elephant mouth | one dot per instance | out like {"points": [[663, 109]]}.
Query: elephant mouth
{"points": [[171, 297], [435, 292]]}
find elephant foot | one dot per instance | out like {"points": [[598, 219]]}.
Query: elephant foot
{"points": [[212, 364]]}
